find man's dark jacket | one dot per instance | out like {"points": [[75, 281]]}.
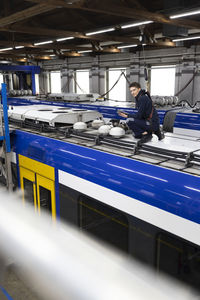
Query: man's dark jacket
{"points": [[146, 111]]}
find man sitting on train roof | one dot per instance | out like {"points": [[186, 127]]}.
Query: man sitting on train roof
{"points": [[146, 120]]}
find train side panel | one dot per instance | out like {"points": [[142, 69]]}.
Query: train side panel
{"points": [[149, 212]]}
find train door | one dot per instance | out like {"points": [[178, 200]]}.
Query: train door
{"points": [[45, 195], [27, 181], [38, 185]]}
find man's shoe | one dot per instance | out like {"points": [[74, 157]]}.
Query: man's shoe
{"points": [[159, 134], [145, 138]]}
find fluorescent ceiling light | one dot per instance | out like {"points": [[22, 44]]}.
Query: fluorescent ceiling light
{"points": [[191, 13], [42, 43], [52, 55], [122, 26], [128, 46], [64, 39], [84, 51], [101, 31], [5, 49], [19, 47], [135, 24], [186, 39]]}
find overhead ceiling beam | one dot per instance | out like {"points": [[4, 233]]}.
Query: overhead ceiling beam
{"points": [[31, 49], [128, 12], [26, 13], [64, 33], [46, 48], [44, 31], [28, 47], [22, 54], [9, 55], [22, 59], [10, 43]]}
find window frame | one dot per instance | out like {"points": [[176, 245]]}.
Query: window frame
{"points": [[122, 69], [50, 85], [162, 66], [76, 81]]}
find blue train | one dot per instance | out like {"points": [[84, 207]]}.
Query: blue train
{"points": [[145, 201], [183, 117]]}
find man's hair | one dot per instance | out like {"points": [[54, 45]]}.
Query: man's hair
{"points": [[135, 84]]}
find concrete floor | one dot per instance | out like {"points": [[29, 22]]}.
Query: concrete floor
{"points": [[15, 287]]}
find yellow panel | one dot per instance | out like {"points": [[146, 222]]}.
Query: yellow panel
{"points": [[49, 185], [27, 174], [37, 167]]}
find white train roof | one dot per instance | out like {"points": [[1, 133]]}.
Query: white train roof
{"points": [[52, 114], [74, 97]]}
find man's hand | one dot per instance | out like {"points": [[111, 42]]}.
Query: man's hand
{"points": [[122, 114]]}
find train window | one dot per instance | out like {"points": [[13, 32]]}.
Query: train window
{"points": [[68, 204], [46, 195], [104, 222], [28, 191], [45, 199], [178, 258], [27, 181]]}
